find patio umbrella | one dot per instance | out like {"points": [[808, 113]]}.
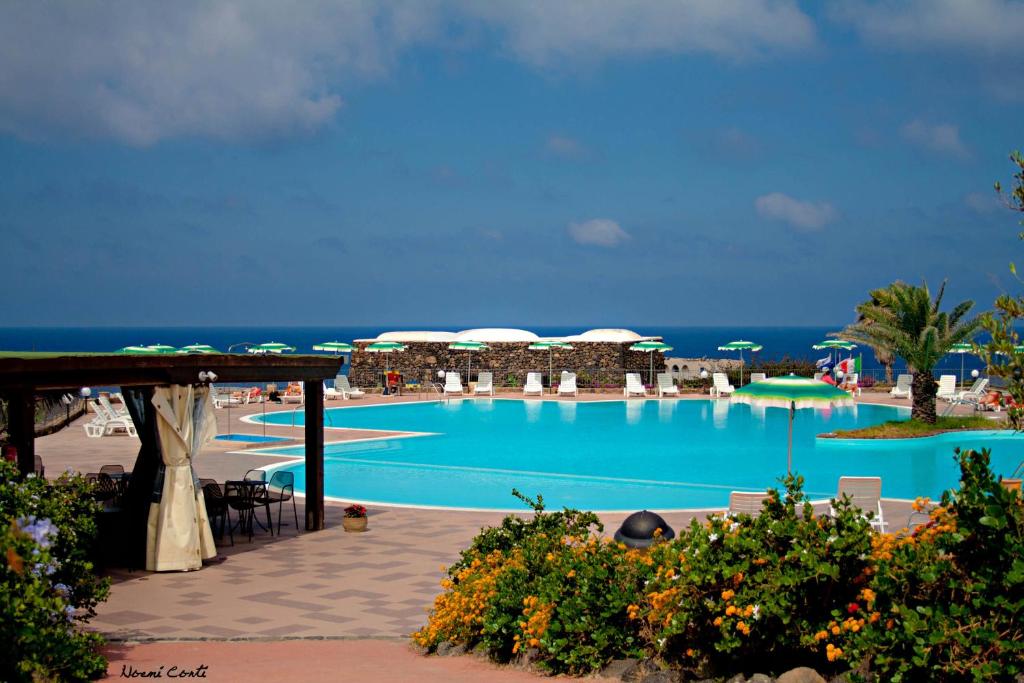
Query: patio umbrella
{"points": [[793, 392], [962, 348], [548, 345], [650, 347], [468, 346], [198, 348], [271, 347], [385, 347], [334, 347], [741, 346], [150, 350]]}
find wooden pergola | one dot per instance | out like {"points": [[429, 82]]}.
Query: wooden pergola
{"points": [[24, 375]]}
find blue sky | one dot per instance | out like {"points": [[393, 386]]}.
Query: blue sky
{"points": [[756, 162]]}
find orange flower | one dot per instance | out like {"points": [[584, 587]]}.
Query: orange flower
{"points": [[742, 627], [572, 573], [731, 610], [717, 621], [821, 635], [836, 630], [727, 595]]}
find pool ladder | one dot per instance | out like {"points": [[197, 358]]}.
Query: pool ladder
{"points": [[439, 390]]}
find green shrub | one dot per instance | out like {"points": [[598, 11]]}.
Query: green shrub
{"points": [[47, 582], [950, 597]]}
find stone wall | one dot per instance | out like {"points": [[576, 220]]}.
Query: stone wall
{"points": [[689, 368], [601, 363]]}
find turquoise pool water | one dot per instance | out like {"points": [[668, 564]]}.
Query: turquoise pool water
{"points": [[251, 438], [620, 456]]}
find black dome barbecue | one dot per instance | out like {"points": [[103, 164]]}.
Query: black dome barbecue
{"points": [[637, 530]]}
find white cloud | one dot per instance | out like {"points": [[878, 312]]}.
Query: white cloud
{"points": [[803, 215], [978, 27], [943, 138], [601, 232], [143, 72], [565, 147]]}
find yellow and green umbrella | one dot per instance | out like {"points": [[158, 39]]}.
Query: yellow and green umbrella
{"points": [[741, 345], [650, 347], [334, 347], [271, 347], [549, 345], [835, 344], [198, 348], [793, 392], [385, 347], [468, 347], [150, 350]]}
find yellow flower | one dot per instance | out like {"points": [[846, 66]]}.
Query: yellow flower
{"points": [[551, 557]]}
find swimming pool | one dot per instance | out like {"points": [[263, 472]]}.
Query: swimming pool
{"points": [[251, 438], [616, 455]]}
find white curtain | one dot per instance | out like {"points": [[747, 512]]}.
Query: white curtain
{"points": [[179, 536]]}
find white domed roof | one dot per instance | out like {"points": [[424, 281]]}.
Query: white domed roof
{"points": [[414, 336], [607, 335], [496, 334]]}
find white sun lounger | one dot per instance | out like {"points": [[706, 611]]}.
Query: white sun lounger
{"points": [[852, 382], [293, 397], [347, 391], [758, 377], [452, 383], [107, 422], [330, 393], [947, 388], [746, 502], [533, 384], [866, 494], [720, 385], [567, 385], [633, 385], [902, 388], [484, 383], [666, 385], [974, 394]]}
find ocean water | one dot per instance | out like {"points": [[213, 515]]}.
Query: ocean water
{"points": [[689, 342]]}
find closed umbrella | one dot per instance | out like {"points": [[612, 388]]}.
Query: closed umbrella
{"points": [[548, 345], [198, 348], [469, 347], [270, 347], [962, 348], [385, 347], [650, 347], [741, 346], [793, 392]]}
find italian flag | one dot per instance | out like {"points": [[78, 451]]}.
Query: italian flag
{"points": [[849, 365]]}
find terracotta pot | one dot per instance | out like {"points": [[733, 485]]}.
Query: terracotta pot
{"points": [[354, 523]]}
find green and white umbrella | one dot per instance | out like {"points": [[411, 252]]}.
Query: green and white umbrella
{"points": [[793, 392], [549, 345], [835, 344], [140, 350], [469, 347], [741, 345], [334, 347], [962, 348], [162, 348], [650, 347], [271, 347], [198, 348], [385, 347]]}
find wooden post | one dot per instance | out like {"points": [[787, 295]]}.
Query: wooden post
{"points": [[21, 408], [314, 391]]}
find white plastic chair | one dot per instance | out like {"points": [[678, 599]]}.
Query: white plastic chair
{"points": [[851, 383], [866, 494], [533, 384], [330, 393], [634, 385], [903, 386], [484, 383], [452, 383], [974, 394], [947, 388], [746, 502], [567, 384], [720, 385], [666, 385], [758, 377], [346, 389]]}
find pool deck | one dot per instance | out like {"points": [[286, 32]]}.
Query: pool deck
{"points": [[330, 585]]}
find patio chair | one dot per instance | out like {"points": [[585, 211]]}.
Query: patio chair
{"points": [[533, 384], [452, 383], [111, 410], [484, 384], [633, 385], [243, 499], [217, 508], [974, 394], [902, 388], [255, 475], [330, 393], [864, 493], [105, 423], [758, 377], [281, 488], [746, 503], [666, 385], [947, 388], [112, 469], [567, 384], [720, 385], [253, 395], [105, 489], [347, 391], [38, 468], [851, 384], [293, 394]]}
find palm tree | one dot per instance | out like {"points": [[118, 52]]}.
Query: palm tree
{"points": [[904, 319], [885, 355]]}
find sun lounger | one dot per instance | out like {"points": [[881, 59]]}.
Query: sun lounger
{"points": [[634, 385], [974, 394], [947, 388], [347, 391], [902, 388], [533, 384], [851, 384], [746, 502], [484, 384], [330, 393], [567, 385], [106, 423], [758, 377], [720, 385], [866, 494], [666, 385], [452, 383], [293, 394]]}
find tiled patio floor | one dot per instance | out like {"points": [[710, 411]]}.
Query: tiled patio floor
{"points": [[329, 584]]}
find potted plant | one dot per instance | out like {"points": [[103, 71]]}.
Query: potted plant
{"points": [[355, 518]]}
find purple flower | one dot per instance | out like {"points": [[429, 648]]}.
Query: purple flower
{"points": [[69, 612], [62, 588], [41, 531]]}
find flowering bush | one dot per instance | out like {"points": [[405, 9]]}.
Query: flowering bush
{"points": [[47, 582], [355, 511]]}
